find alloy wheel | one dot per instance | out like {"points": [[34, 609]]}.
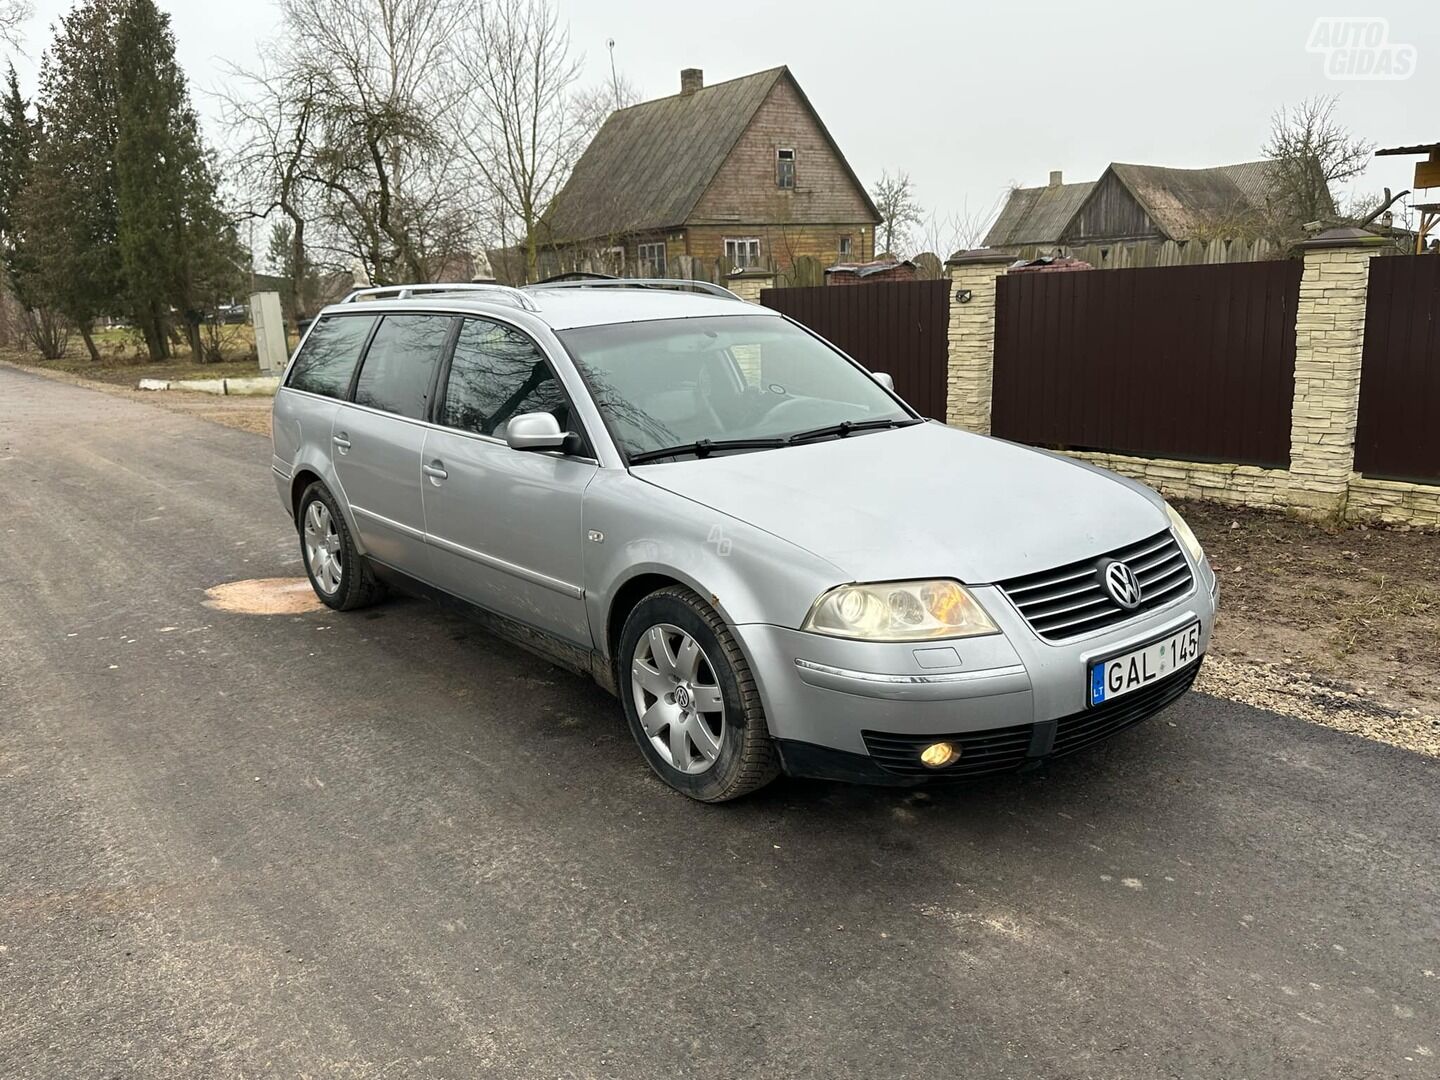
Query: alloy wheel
{"points": [[678, 699], [322, 548]]}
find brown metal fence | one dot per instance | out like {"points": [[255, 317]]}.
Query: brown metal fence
{"points": [[898, 327], [1398, 437], [1192, 362]]}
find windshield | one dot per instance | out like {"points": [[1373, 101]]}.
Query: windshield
{"points": [[676, 382]]}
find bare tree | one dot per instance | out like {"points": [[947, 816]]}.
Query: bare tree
{"points": [[372, 75], [895, 199], [521, 133], [271, 115], [593, 106], [13, 16], [959, 230], [1309, 152]]}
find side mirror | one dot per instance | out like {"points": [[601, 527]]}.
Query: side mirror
{"points": [[535, 431], [884, 379]]}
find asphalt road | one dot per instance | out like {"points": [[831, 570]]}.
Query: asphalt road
{"points": [[386, 845]]}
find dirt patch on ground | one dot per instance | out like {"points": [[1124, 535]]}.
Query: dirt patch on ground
{"points": [[1328, 615], [264, 596]]}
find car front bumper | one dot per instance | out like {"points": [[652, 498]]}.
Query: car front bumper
{"points": [[856, 710]]}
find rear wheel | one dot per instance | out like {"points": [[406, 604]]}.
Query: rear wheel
{"points": [[691, 700], [340, 576]]}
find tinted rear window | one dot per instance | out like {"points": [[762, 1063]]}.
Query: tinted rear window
{"points": [[327, 361], [400, 364]]}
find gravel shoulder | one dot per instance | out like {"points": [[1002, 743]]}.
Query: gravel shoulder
{"points": [[1335, 624], [247, 413]]}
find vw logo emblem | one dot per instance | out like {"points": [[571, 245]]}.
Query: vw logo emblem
{"points": [[1122, 584], [682, 697]]}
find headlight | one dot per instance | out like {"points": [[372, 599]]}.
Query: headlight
{"points": [[1187, 537], [899, 611]]}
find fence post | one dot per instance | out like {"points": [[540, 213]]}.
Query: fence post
{"points": [[973, 276], [1329, 340], [747, 283]]}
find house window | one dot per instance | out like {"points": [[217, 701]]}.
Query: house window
{"points": [[652, 259], [785, 168], [614, 260], [845, 249], [742, 252]]}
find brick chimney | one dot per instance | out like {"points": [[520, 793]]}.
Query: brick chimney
{"points": [[691, 79], [1056, 177]]}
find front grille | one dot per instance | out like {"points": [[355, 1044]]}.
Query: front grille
{"points": [[981, 752], [1087, 728], [1071, 600]]}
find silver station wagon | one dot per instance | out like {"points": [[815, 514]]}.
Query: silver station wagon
{"points": [[773, 561]]}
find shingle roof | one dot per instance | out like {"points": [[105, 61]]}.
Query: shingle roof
{"points": [[649, 164], [1037, 215]]}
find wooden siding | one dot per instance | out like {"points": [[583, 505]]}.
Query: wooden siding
{"points": [[781, 245], [1110, 213], [744, 188]]}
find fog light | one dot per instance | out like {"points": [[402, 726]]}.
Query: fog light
{"points": [[937, 755]]}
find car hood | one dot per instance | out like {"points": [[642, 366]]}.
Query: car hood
{"points": [[921, 501]]}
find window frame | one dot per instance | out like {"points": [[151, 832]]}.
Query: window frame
{"points": [[755, 240], [289, 374], [845, 248], [444, 359], [641, 260], [585, 451], [780, 172]]}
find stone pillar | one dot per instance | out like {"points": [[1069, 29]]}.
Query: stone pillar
{"points": [[1329, 338], [747, 284], [973, 276]]}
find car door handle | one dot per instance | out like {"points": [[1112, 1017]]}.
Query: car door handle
{"points": [[436, 471], [342, 441]]}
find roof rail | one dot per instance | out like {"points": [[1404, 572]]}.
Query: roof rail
{"points": [[681, 284], [405, 292]]}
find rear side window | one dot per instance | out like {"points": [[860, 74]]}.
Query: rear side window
{"points": [[400, 364], [498, 373], [327, 361]]}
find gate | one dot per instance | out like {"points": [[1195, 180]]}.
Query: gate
{"points": [[899, 327], [1398, 436], [1194, 362]]}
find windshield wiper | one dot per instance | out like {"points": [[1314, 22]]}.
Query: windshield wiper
{"points": [[845, 427], [705, 447]]}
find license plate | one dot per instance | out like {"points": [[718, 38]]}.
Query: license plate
{"points": [[1134, 670]]}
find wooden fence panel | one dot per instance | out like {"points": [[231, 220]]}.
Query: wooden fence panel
{"points": [[1194, 363], [1398, 436], [899, 327]]}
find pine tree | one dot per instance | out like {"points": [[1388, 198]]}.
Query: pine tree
{"points": [[69, 202], [17, 156], [176, 247]]}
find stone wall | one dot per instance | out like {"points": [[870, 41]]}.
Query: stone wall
{"points": [[1329, 340]]}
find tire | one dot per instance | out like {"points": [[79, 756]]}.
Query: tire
{"points": [[722, 753], [338, 573]]}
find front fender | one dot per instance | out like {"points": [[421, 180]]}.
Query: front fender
{"points": [[745, 573]]}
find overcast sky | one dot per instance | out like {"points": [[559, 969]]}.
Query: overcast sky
{"points": [[971, 97]]}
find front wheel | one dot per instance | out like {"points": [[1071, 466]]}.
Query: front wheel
{"points": [[691, 700]]}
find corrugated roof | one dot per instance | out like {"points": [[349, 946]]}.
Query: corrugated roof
{"points": [[1037, 215], [1182, 202]]}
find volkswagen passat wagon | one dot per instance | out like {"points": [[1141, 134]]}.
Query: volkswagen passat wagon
{"points": [[767, 555]]}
